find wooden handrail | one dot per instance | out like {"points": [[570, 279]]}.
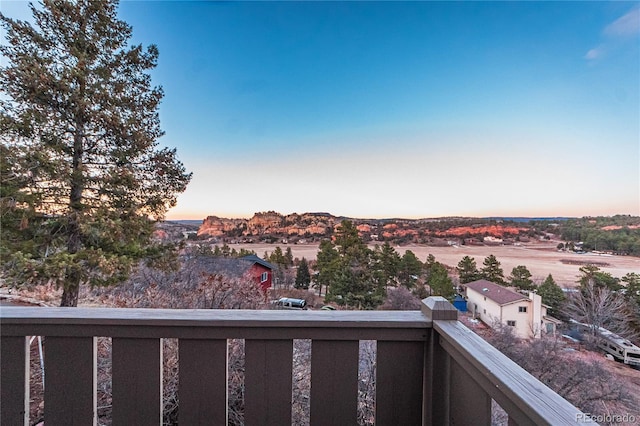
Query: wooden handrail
{"points": [[431, 369]]}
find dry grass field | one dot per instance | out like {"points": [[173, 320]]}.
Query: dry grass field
{"points": [[541, 258]]}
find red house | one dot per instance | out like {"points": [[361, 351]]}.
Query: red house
{"points": [[260, 270]]}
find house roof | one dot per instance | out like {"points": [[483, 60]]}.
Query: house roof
{"points": [[496, 292], [552, 319], [222, 265], [228, 265], [255, 259]]}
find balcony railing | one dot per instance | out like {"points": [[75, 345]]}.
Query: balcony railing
{"points": [[430, 368]]}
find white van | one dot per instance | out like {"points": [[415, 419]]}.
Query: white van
{"points": [[289, 303]]}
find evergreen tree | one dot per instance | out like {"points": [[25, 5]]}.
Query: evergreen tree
{"points": [[303, 277], [355, 287], [552, 295], [440, 282], [245, 252], [428, 264], [632, 297], [632, 289], [277, 258], [387, 263], [349, 244], [467, 270], [327, 262], [79, 121], [410, 269], [350, 275], [492, 271], [521, 278], [600, 279], [288, 257]]}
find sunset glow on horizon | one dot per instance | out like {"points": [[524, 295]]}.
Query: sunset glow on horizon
{"points": [[398, 109]]}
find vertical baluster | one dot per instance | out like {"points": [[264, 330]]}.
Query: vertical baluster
{"points": [[268, 375], [137, 381], [202, 382], [14, 380], [436, 387], [467, 396], [399, 378], [334, 382], [70, 381]]}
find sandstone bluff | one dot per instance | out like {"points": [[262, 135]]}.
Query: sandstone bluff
{"points": [[270, 223]]}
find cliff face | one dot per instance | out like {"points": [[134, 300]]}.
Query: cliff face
{"points": [[269, 223], [214, 226], [265, 223], [273, 224]]}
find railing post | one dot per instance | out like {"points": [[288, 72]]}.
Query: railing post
{"points": [[435, 407], [14, 380]]}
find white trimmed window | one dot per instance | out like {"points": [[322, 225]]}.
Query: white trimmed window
{"points": [[511, 323], [522, 309], [264, 277]]}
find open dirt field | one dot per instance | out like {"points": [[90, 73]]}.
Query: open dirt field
{"points": [[541, 258]]}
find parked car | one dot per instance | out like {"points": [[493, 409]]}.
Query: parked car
{"points": [[289, 303]]}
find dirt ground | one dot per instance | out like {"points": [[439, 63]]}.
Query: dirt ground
{"points": [[541, 258]]}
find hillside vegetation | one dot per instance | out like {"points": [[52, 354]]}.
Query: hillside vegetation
{"points": [[616, 234]]}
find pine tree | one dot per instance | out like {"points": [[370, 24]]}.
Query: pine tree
{"points": [[326, 263], [79, 120], [492, 270], [467, 270], [350, 275], [440, 282], [552, 295], [632, 289], [288, 257], [387, 262], [521, 278], [410, 269], [303, 277], [278, 258], [591, 273]]}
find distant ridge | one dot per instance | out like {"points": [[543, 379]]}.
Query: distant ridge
{"points": [[527, 219], [189, 222], [198, 222]]}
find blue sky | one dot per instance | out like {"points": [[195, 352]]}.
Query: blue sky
{"points": [[394, 109]]}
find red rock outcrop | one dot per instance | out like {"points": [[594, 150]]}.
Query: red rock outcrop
{"points": [[214, 226], [269, 223]]}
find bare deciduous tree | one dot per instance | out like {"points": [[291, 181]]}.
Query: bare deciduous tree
{"points": [[599, 306], [586, 384], [400, 299]]}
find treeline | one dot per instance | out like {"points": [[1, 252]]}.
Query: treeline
{"points": [[616, 234]]}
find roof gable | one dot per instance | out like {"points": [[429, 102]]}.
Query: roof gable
{"points": [[255, 259], [496, 292]]}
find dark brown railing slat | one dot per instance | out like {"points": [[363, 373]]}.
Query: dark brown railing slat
{"points": [[14, 380], [70, 381], [137, 381], [268, 372], [399, 383], [202, 386], [334, 382], [466, 396]]}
